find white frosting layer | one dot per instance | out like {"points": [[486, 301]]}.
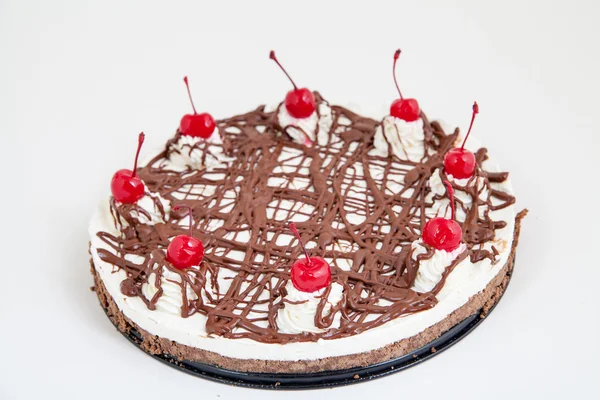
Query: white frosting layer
{"points": [[307, 130], [300, 317], [466, 280], [430, 271], [406, 139]]}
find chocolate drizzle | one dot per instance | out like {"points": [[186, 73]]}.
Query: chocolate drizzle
{"points": [[357, 210]]}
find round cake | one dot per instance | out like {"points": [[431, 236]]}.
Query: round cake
{"points": [[304, 238]]}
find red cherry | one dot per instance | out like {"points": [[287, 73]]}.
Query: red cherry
{"points": [[459, 162], [406, 109], [196, 125], [126, 186], [300, 103], [310, 274], [442, 233], [185, 251]]}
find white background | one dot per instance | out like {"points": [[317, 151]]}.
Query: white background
{"points": [[78, 81]]}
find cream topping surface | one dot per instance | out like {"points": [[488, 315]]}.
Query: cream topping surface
{"points": [[465, 280]]}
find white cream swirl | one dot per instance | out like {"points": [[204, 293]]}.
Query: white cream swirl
{"points": [[405, 138], [171, 299], [152, 203], [300, 317], [307, 130], [154, 210], [441, 207], [186, 154], [430, 271]]}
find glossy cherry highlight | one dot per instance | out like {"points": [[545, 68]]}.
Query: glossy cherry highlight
{"points": [[310, 274], [459, 162], [300, 103], [406, 109], [442, 233], [185, 251], [196, 125], [126, 186]]}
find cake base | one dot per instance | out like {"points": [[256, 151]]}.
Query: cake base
{"points": [[327, 372], [317, 380]]}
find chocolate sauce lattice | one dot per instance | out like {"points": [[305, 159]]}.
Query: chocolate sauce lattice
{"points": [[358, 211]]}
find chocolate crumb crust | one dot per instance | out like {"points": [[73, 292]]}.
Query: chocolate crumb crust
{"points": [[371, 259], [481, 302]]}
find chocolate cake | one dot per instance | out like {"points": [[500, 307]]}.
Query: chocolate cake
{"points": [[361, 192]]}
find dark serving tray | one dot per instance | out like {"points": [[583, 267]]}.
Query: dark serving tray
{"points": [[325, 379]]}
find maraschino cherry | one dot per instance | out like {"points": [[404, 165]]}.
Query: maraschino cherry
{"points": [[442, 233], [406, 109], [126, 186], [185, 251], [311, 274], [196, 125], [458, 162], [300, 103]]}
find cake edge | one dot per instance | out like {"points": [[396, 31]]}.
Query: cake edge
{"points": [[481, 302]]}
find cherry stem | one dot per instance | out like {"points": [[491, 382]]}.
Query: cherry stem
{"points": [[141, 138], [396, 56], [190, 214], [272, 57], [475, 112], [451, 196], [187, 85], [295, 230]]}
